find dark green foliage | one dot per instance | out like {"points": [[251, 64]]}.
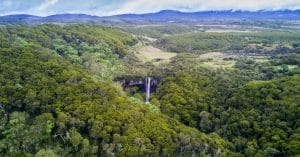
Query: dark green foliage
{"points": [[50, 107], [259, 118], [184, 96], [158, 31], [53, 104], [253, 42], [95, 47], [291, 59], [277, 66]]}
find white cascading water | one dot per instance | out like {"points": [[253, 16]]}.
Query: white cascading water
{"points": [[148, 86]]}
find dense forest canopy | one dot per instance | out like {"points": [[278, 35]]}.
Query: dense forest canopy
{"points": [[95, 47], [58, 97], [49, 106], [247, 42], [260, 118]]}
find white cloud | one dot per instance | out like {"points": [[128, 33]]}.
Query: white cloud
{"points": [[112, 7], [46, 4], [145, 6], [7, 4]]}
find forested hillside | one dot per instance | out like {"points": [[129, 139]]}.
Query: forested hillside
{"points": [[50, 107], [260, 118], [58, 97], [242, 42], [97, 48]]}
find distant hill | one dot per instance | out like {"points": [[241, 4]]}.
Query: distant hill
{"points": [[63, 16], [165, 16], [172, 16], [19, 18], [70, 18]]}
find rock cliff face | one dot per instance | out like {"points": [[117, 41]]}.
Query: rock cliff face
{"points": [[139, 82]]}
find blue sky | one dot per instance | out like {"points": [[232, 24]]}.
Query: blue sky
{"points": [[112, 7]]}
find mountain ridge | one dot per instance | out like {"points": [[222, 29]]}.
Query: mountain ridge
{"points": [[157, 17], [162, 11]]}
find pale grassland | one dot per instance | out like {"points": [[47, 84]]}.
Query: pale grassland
{"points": [[152, 54], [261, 59], [289, 66], [227, 31], [215, 60], [212, 55], [292, 66]]}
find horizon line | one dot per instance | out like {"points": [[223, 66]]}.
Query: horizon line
{"points": [[229, 10]]}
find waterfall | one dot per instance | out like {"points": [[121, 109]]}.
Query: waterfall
{"points": [[148, 86]]}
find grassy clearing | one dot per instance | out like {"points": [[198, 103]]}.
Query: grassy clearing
{"points": [[222, 60], [152, 54], [215, 60], [215, 65], [290, 67], [212, 55], [261, 59]]}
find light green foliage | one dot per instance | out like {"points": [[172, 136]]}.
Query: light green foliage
{"points": [[45, 153], [75, 138], [159, 31], [95, 47], [52, 104], [153, 108], [55, 107], [183, 95], [253, 42], [259, 118]]}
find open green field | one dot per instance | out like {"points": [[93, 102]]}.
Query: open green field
{"points": [[215, 60], [150, 53], [79, 90], [246, 42], [154, 55]]}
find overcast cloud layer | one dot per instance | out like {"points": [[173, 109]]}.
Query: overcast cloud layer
{"points": [[112, 7]]}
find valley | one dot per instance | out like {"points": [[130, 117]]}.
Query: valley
{"points": [[158, 84]]}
